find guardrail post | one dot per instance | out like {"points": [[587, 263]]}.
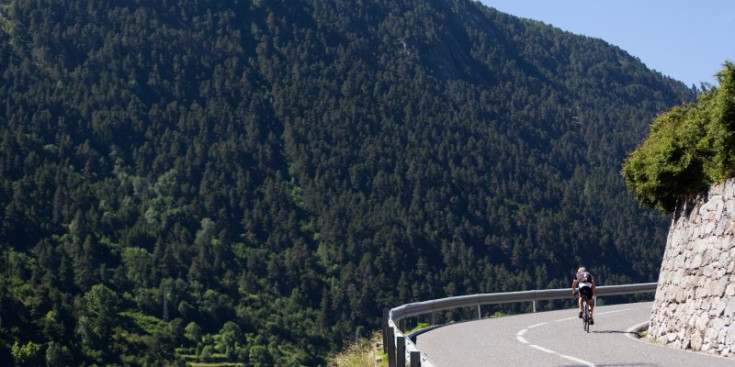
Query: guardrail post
{"points": [[415, 359], [401, 351], [534, 305], [386, 314], [391, 342], [479, 313]]}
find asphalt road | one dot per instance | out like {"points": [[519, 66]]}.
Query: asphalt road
{"points": [[556, 338]]}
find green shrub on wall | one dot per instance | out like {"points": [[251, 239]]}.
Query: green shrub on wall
{"points": [[688, 148]]}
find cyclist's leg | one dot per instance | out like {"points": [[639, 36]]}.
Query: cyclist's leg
{"points": [[592, 304], [579, 301]]}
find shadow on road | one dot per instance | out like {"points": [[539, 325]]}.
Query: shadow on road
{"points": [[634, 333]]}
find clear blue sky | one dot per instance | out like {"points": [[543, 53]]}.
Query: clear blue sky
{"points": [[686, 40]]}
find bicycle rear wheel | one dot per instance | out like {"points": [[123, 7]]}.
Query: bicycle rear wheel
{"points": [[585, 315]]}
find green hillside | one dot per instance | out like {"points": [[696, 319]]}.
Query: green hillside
{"points": [[256, 180]]}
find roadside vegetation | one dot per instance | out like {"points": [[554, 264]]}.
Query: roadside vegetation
{"points": [[690, 147], [364, 352]]}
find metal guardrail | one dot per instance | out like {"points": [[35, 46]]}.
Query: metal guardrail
{"points": [[396, 344]]}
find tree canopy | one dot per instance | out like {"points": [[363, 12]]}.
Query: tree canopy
{"points": [[689, 148]]}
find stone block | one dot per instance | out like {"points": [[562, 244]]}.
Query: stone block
{"points": [[676, 277], [719, 287], [730, 336], [702, 290], [708, 229], [720, 228], [706, 347], [696, 262], [707, 270], [701, 321], [671, 308], [729, 310], [722, 335], [729, 225], [679, 262], [699, 305], [728, 189], [696, 340], [714, 329], [718, 307], [721, 272], [672, 328]]}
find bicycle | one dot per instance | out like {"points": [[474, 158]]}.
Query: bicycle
{"points": [[585, 312]]}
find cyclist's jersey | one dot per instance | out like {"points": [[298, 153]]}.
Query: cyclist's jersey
{"points": [[584, 283]]}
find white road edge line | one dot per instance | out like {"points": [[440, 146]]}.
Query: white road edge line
{"points": [[545, 350], [523, 340], [580, 361], [519, 336], [537, 325]]}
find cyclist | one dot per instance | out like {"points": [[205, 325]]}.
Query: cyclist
{"points": [[584, 283]]}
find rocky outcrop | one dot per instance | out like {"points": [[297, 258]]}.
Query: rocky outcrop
{"points": [[695, 299]]}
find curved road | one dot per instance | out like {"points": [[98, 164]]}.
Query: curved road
{"points": [[556, 338]]}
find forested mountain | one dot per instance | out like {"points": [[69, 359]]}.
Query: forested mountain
{"points": [[256, 180]]}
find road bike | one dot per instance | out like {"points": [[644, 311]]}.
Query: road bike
{"points": [[585, 313]]}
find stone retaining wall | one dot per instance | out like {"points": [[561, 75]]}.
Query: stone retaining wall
{"points": [[695, 299]]}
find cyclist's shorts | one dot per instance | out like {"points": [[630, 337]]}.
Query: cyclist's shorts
{"points": [[585, 289]]}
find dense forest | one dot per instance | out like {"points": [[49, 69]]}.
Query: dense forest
{"points": [[254, 181]]}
